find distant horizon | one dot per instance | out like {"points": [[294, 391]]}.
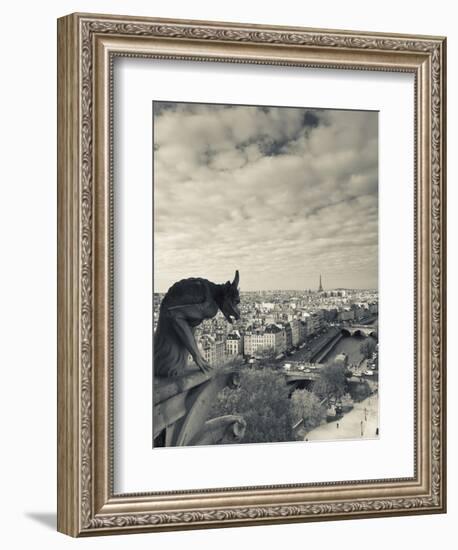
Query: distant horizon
{"points": [[293, 290]]}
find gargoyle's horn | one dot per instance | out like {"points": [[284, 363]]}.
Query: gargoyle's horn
{"points": [[235, 282]]}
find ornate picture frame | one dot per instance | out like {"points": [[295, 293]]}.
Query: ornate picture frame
{"points": [[87, 46]]}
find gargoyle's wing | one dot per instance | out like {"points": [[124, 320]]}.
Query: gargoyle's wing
{"points": [[186, 292]]}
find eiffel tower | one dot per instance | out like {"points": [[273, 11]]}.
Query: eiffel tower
{"points": [[320, 288]]}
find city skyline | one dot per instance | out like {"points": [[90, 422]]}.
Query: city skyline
{"points": [[286, 290], [282, 194]]}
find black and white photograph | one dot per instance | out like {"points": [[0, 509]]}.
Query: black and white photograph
{"points": [[265, 274]]}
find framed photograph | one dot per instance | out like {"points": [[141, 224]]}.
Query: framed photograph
{"points": [[251, 289]]}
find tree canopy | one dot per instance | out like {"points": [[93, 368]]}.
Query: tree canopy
{"points": [[263, 400], [306, 407], [331, 383], [367, 347], [360, 391]]}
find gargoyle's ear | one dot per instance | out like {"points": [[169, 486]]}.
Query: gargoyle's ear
{"points": [[235, 282]]}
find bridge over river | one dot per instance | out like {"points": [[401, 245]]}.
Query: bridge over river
{"points": [[299, 378], [359, 330]]}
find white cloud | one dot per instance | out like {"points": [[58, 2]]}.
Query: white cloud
{"points": [[281, 194]]}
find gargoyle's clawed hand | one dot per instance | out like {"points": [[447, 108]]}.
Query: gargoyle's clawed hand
{"points": [[203, 365]]}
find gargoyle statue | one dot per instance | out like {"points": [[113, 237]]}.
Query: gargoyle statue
{"points": [[186, 304]]}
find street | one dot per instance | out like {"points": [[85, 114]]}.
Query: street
{"points": [[360, 423]]}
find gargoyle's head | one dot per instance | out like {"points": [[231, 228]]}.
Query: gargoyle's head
{"points": [[230, 299]]}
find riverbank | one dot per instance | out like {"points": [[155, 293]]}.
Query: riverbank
{"points": [[362, 422], [326, 346], [306, 355]]}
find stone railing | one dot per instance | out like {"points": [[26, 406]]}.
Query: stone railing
{"points": [[181, 407]]}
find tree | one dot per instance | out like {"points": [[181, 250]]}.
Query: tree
{"points": [[360, 391], [266, 357], [367, 348], [263, 400], [306, 406], [233, 361], [267, 353], [331, 383]]}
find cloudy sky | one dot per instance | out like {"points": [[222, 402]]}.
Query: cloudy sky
{"points": [[282, 194]]}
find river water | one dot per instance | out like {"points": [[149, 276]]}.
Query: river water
{"points": [[349, 345]]}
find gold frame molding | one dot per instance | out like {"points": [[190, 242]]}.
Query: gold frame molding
{"points": [[87, 45]]}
